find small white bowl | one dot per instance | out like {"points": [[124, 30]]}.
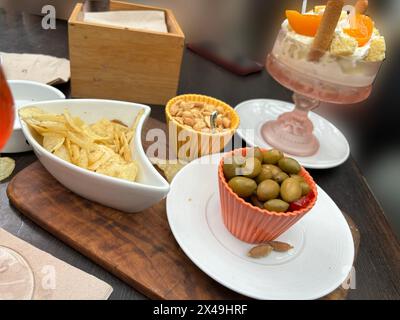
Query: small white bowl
{"points": [[26, 92], [119, 194]]}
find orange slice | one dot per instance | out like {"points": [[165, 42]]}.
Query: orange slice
{"points": [[304, 24], [363, 31]]}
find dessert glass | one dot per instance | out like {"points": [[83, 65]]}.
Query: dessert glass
{"points": [[333, 79]]}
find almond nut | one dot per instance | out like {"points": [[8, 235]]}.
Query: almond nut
{"points": [[207, 120], [179, 120], [260, 251], [226, 123], [187, 114], [220, 110], [189, 121], [280, 246], [174, 109], [200, 124], [197, 116]]}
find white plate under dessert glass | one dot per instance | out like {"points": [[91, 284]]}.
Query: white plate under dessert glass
{"points": [[26, 92], [319, 263], [334, 149]]}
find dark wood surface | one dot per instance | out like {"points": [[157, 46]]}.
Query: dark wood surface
{"points": [[137, 248], [378, 264]]}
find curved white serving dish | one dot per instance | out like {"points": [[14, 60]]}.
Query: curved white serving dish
{"points": [[119, 194]]}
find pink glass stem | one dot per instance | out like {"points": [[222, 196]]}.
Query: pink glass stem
{"points": [[292, 132]]}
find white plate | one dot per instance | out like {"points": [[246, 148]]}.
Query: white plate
{"points": [[334, 149], [26, 92], [320, 262]]}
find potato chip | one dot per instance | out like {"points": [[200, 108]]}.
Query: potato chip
{"points": [[83, 160], [62, 153], [102, 128], [52, 141], [117, 144], [67, 144], [37, 128], [131, 134], [94, 155], [74, 126], [90, 134], [75, 153], [30, 112], [48, 117], [81, 141], [102, 147], [170, 169], [7, 166], [107, 154], [127, 171], [50, 125], [125, 151]]}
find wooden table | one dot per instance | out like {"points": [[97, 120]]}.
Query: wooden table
{"points": [[378, 264]]}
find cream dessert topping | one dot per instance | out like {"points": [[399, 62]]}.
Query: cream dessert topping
{"points": [[343, 45]]}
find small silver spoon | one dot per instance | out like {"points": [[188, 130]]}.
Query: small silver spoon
{"points": [[213, 119]]}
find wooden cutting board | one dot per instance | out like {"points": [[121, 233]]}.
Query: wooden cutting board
{"points": [[137, 248]]}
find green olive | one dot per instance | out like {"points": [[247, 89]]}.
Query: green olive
{"points": [[274, 169], [305, 188], [242, 186], [280, 177], [276, 205], [251, 168], [229, 170], [289, 165], [267, 190], [232, 166], [255, 153], [291, 190], [297, 177], [272, 156], [266, 173], [256, 202]]}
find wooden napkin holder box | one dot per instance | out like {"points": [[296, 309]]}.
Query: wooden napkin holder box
{"points": [[127, 64]]}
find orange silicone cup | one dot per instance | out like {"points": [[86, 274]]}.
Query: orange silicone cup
{"points": [[252, 224]]}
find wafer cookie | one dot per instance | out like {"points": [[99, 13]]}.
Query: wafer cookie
{"points": [[326, 29]]}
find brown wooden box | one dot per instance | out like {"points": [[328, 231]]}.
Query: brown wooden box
{"points": [[123, 63]]}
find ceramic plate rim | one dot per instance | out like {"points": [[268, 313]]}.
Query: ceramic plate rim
{"points": [[305, 164]]}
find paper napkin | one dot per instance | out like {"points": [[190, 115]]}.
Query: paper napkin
{"points": [[151, 20], [35, 67], [29, 273]]}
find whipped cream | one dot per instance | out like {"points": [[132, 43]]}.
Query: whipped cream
{"points": [[360, 53]]}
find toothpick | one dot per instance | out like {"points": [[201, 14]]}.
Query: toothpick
{"points": [[304, 7], [352, 15]]}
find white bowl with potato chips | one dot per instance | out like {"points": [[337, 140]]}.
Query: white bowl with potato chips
{"points": [[94, 148]]}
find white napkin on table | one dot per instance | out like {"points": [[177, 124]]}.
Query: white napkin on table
{"points": [[151, 20], [35, 67]]}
